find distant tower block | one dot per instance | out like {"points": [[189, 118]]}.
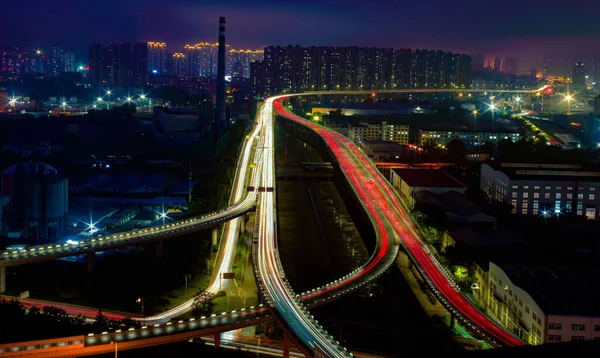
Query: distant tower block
{"points": [[221, 110]]}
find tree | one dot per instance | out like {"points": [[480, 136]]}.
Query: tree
{"points": [[488, 147], [101, 322], [456, 149]]}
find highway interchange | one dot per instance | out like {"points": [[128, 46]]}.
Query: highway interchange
{"points": [[390, 219]]}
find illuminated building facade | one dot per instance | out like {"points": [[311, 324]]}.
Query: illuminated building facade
{"points": [[157, 58], [298, 69], [180, 64], [378, 131]]}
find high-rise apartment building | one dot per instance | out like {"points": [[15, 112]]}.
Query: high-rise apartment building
{"points": [[179, 64], [558, 66], [96, 62], [119, 64], [579, 75], [157, 58], [297, 69], [478, 62], [139, 64], [56, 62], [510, 65], [244, 58]]}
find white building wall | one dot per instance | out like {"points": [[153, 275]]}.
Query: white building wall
{"points": [[379, 131], [517, 310], [566, 328]]}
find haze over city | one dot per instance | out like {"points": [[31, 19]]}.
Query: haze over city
{"points": [[527, 29]]}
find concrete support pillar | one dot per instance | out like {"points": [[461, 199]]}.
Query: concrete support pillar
{"points": [[90, 263], [2, 279], [215, 236], [159, 249], [286, 346], [242, 223], [217, 340]]}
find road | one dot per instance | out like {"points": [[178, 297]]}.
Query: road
{"points": [[113, 241], [287, 308], [381, 198], [247, 174]]}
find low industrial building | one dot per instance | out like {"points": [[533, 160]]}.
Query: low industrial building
{"points": [[180, 126], [471, 139], [410, 181], [39, 199], [382, 150], [457, 208], [135, 189], [543, 189]]}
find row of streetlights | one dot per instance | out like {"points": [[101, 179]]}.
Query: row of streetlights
{"points": [[99, 100]]}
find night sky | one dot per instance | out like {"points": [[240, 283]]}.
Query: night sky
{"points": [[524, 28]]}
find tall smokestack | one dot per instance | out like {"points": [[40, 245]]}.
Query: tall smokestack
{"points": [[221, 111]]}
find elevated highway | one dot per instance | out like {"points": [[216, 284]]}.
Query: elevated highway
{"points": [[386, 205], [392, 225]]}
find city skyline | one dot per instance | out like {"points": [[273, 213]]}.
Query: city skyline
{"points": [[525, 30]]}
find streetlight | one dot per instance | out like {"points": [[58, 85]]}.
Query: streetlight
{"points": [[518, 100], [142, 98], [140, 301], [116, 347], [108, 92], [475, 119], [568, 98], [492, 108]]}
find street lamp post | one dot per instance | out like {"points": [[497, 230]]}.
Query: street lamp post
{"points": [[142, 98], [492, 108], [140, 300], [518, 100], [568, 98], [475, 120], [108, 93], [116, 348]]}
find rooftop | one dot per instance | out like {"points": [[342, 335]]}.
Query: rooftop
{"points": [[178, 111], [450, 202], [123, 183], [557, 172], [562, 290], [433, 178]]}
